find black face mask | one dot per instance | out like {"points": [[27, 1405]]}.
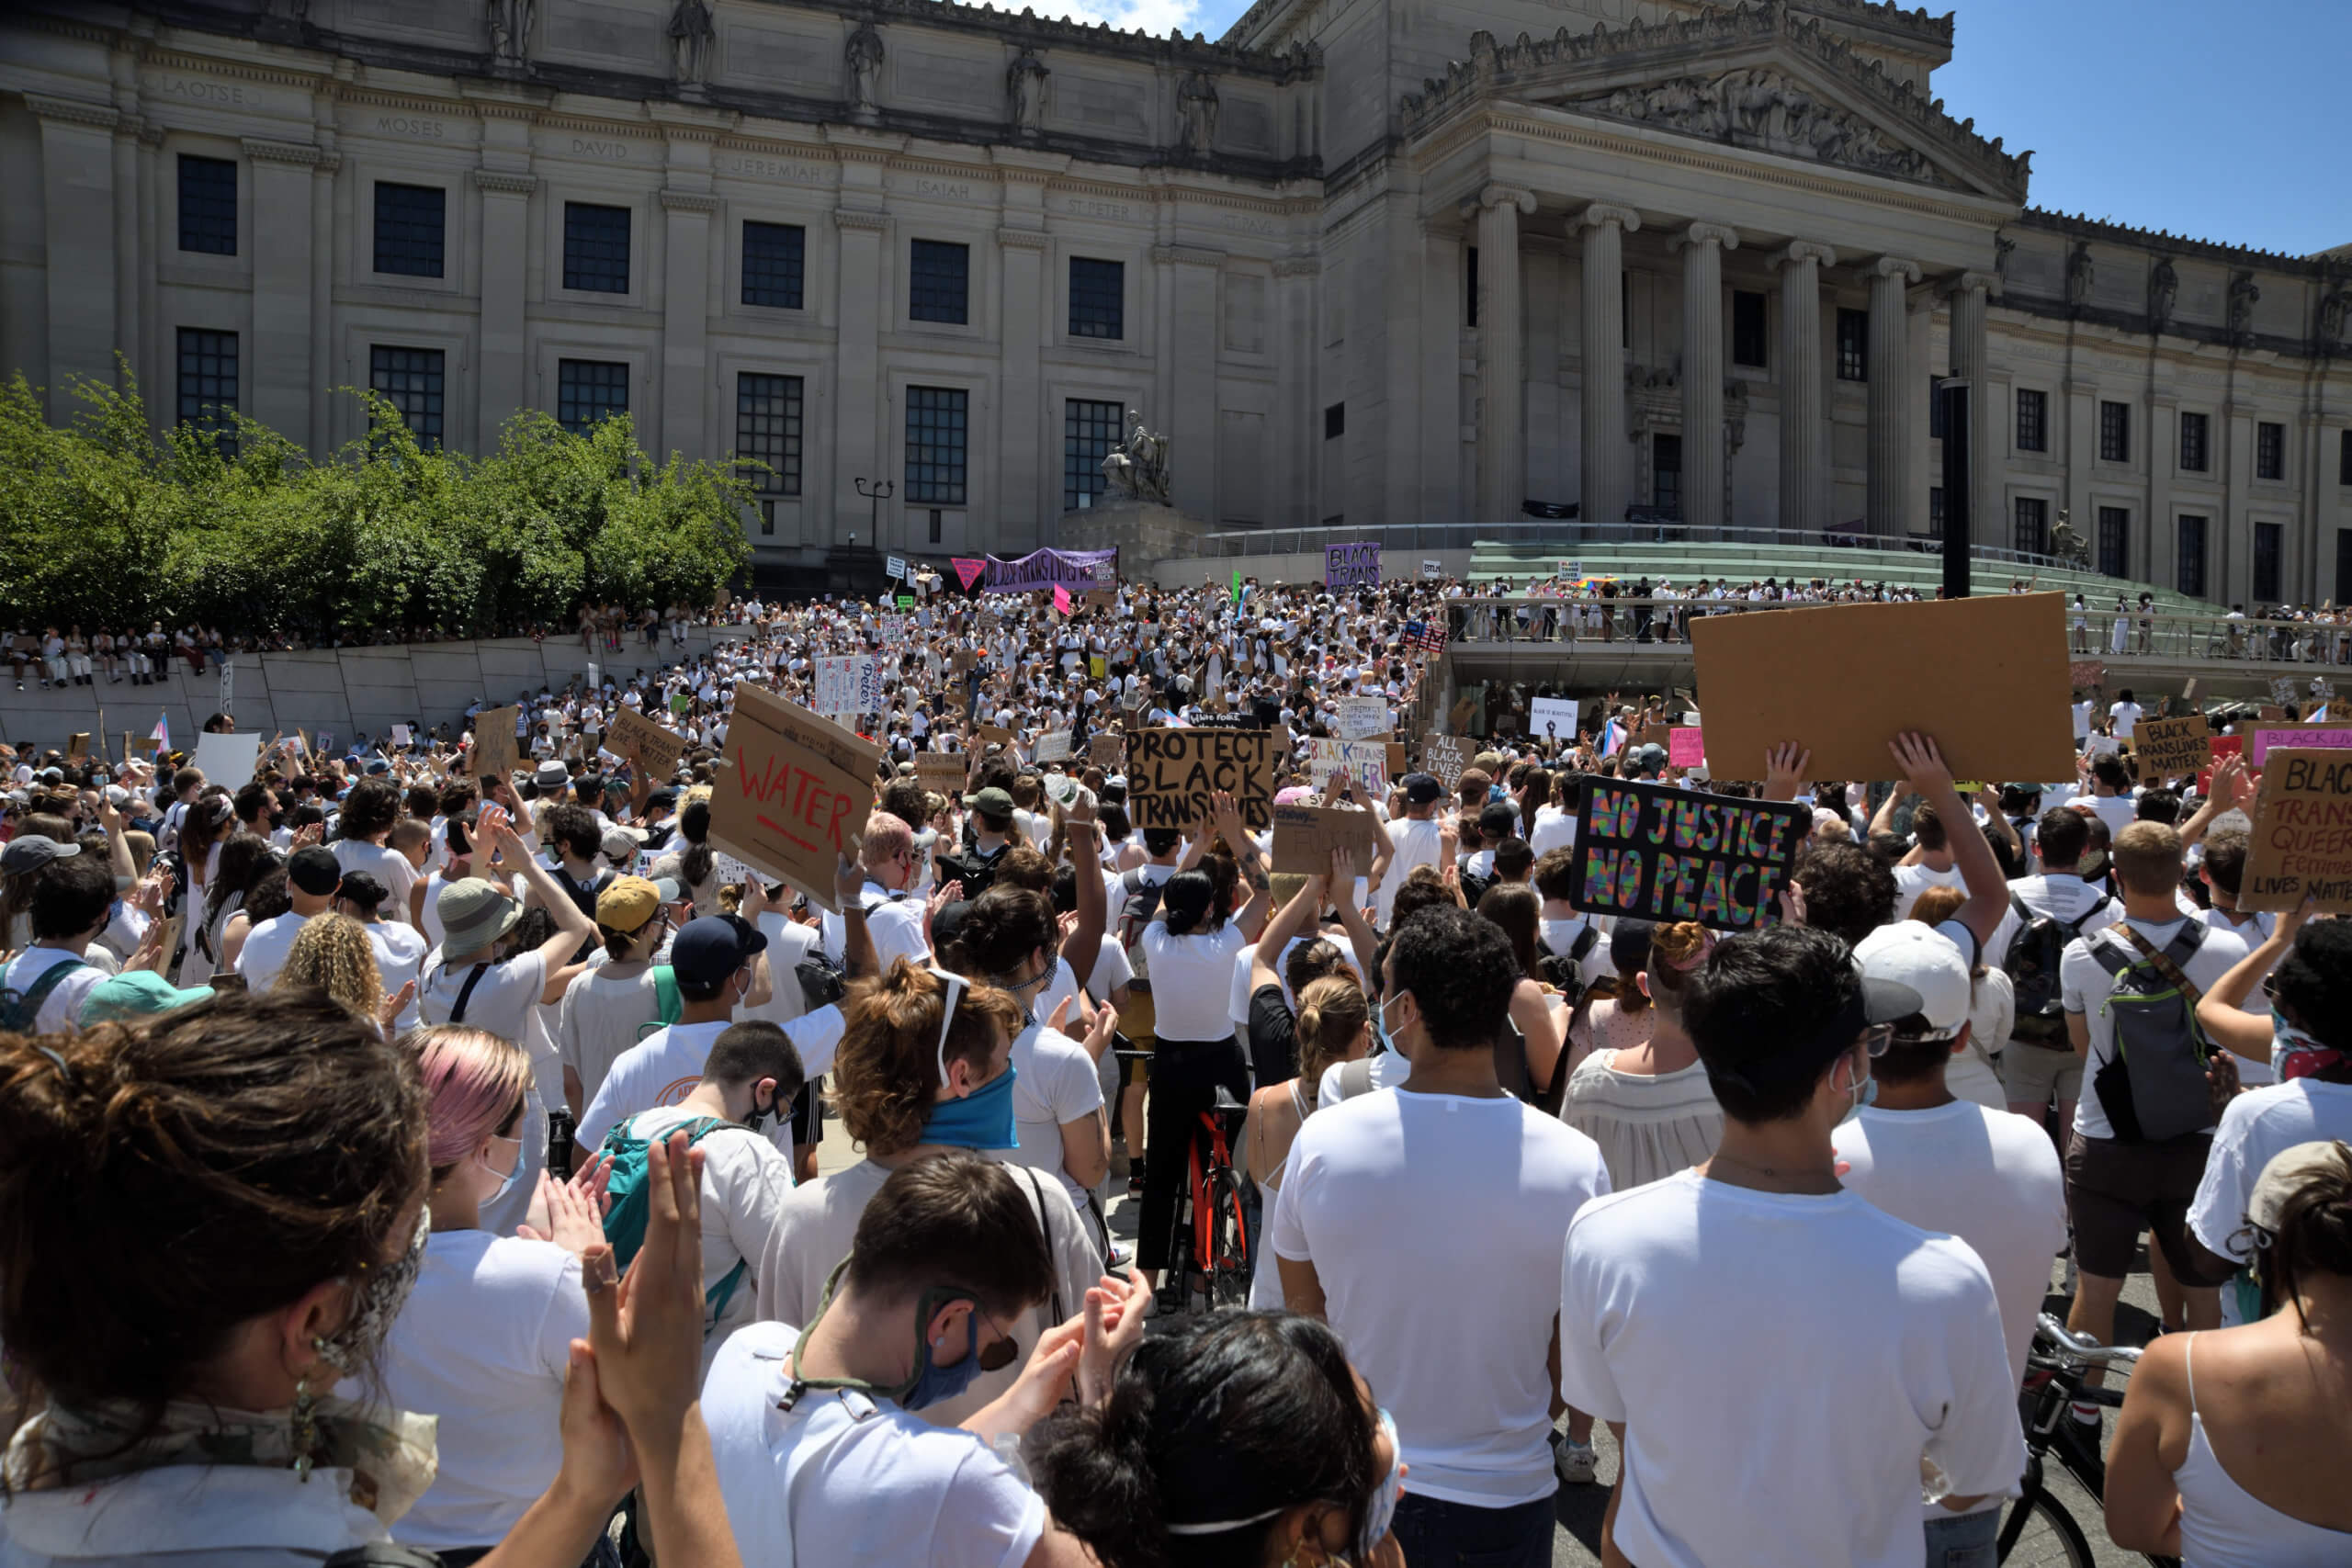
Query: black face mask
{"points": [[760, 1116]]}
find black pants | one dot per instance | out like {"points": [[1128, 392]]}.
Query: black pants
{"points": [[1185, 1077]]}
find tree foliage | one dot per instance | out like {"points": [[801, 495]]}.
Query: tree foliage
{"points": [[103, 524]]}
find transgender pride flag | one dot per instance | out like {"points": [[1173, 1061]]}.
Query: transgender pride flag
{"points": [[1612, 739], [162, 733]]}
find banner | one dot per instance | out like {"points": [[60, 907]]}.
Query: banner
{"points": [[1076, 570], [793, 794], [1661, 853], [228, 684], [1173, 774], [1359, 716], [1552, 718], [657, 750], [1305, 837], [967, 571], [2310, 737], [2169, 748], [2302, 833], [1351, 566], [495, 754], [849, 683]]}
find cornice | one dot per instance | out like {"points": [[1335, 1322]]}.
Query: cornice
{"points": [[2079, 227], [1024, 239], [859, 219], [74, 111], [301, 152], [1297, 266], [242, 69], [688, 201], [511, 184]]}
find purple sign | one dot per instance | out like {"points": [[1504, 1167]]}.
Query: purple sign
{"points": [[1077, 571], [1351, 566]]}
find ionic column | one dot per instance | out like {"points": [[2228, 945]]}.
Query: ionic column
{"points": [[1890, 396], [1970, 362], [1502, 439], [1704, 245], [1804, 469], [1602, 489]]}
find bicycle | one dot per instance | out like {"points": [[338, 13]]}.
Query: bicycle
{"points": [[1213, 1270], [2037, 1531]]}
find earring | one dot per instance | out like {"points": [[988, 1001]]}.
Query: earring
{"points": [[306, 1428]]}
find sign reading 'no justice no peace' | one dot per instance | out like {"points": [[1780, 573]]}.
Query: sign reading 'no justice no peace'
{"points": [[1660, 854]]}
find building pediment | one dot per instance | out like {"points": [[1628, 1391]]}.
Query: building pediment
{"points": [[1760, 77]]}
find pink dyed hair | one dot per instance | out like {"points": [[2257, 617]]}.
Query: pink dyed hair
{"points": [[474, 1083]]}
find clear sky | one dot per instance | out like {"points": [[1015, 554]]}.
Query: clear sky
{"points": [[2221, 120]]}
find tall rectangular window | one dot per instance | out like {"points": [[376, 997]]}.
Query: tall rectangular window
{"points": [[1748, 337], [411, 380], [2268, 538], [2034, 420], [2032, 531], [208, 383], [1090, 429], [2115, 540], [208, 205], [587, 390], [595, 248], [768, 430], [1470, 283], [2270, 451], [1936, 511], [1666, 473], [2188, 573], [2344, 461], [1098, 297], [411, 226], [1335, 421], [774, 254], [2196, 435], [939, 283], [2344, 566], [935, 441], [2114, 432], [1853, 344]]}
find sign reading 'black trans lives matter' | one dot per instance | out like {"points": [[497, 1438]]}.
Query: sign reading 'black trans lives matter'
{"points": [[1660, 854]]}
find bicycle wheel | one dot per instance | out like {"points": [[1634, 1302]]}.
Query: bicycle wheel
{"points": [[2037, 1532], [1229, 1247]]}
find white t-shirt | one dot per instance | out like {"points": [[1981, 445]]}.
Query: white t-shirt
{"points": [[1425, 1216], [266, 945], [482, 1343], [400, 955], [664, 1067], [2117, 811], [598, 1020], [1991, 1179], [1416, 843], [1056, 1083], [1561, 936], [2125, 716], [1863, 1344], [2061, 894], [879, 1484], [1910, 881], [2085, 985], [2256, 1127], [895, 924], [61, 1008], [1192, 980], [502, 1003], [1389, 1068], [387, 865], [1554, 830], [744, 1180]]}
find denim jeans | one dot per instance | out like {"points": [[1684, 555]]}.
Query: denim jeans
{"points": [[1964, 1541], [1437, 1534]]}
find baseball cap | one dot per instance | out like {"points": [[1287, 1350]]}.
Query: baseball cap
{"points": [[1421, 789], [620, 846], [1911, 968], [314, 870], [626, 903], [137, 993], [2289, 1170], [707, 951], [27, 851], [993, 801]]}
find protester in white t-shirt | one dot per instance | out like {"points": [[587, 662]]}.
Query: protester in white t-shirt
{"points": [[369, 813], [606, 1008], [312, 875], [712, 961], [71, 895], [892, 915], [1392, 1200], [1416, 839], [1872, 1349]]}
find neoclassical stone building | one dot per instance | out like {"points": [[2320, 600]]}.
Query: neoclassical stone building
{"points": [[1368, 262]]}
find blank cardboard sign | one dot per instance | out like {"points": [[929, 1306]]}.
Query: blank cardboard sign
{"points": [[1304, 837], [1986, 677]]}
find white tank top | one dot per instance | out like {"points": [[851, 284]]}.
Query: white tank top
{"points": [[2224, 1525]]}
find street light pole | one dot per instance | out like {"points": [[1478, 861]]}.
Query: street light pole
{"points": [[882, 492]]}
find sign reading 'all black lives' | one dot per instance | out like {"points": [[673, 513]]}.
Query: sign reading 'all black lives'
{"points": [[1654, 852]]}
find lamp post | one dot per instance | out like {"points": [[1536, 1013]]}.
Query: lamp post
{"points": [[882, 492]]}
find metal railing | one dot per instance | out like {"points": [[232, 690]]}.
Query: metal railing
{"points": [[1569, 534], [1561, 618]]}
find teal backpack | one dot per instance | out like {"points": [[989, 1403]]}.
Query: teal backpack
{"points": [[632, 1201]]}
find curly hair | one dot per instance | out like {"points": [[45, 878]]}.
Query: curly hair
{"points": [[885, 1074], [332, 954], [1677, 952], [1849, 891]]}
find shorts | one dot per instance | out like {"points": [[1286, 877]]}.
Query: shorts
{"points": [[809, 1113], [2035, 1075], [2115, 1190]]}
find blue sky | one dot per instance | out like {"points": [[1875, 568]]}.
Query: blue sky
{"points": [[2221, 120]]}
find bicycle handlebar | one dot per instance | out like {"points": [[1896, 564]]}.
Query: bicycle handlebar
{"points": [[2048, 1331]]}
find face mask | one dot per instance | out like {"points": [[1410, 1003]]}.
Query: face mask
{"points": [[381, 1292], [1865, 1090], [760, 1117], [1386, 1040], [981, 1119], [505, 1182], [2294, 1053], [1379, 1517]]}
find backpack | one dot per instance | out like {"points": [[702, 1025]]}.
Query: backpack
{"points": [[632, 1201], [18, 1008], [2153, 1087], [1565, 971], [2032, 968], [976, 870], [1142, 903], [669, 1002]]}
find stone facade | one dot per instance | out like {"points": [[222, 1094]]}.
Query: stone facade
{"points": [[1368, 265]]}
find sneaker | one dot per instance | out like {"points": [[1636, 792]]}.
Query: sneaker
{"points": [[1573, 1462]]}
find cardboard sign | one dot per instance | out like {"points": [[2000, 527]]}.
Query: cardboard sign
{"points": [[1443, 757], [78, 744], [1351, 566], [657, 750], [895, 569], [1097, 599], [1986, 677], [228, 759], [2271, 713], [1660, 854], [1361, 717], [495, 755], [943, 772], [1306, 836], [2171, 746], [1552, 718], [2283, 690], [1458, 716], [893, 630], [794, 794], [906, 600], [1433, 569], [1054, 746], [2302, 833], [1686, 748], [1173, 774], [1106, 751], [1660, 736], [987, 735], [2085, 672], [2311, 737], [1366, 762]]}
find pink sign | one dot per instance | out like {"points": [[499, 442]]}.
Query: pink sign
{"points": [[1061, 600], [2336, 737], [1686, 747], [968, 570]]}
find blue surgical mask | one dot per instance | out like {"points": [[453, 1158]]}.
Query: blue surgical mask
{"points": [[981, 1119], [1381, 1516], [506, 1182], [1385, 1041], [1865, 1089], [935, 1383]]}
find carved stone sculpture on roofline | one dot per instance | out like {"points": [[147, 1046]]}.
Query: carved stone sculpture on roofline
{"points": [[1137, 467]]}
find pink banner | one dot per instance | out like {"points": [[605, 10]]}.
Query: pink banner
{"points": [[2269, 736], [968, 570], [1686, 747]]}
